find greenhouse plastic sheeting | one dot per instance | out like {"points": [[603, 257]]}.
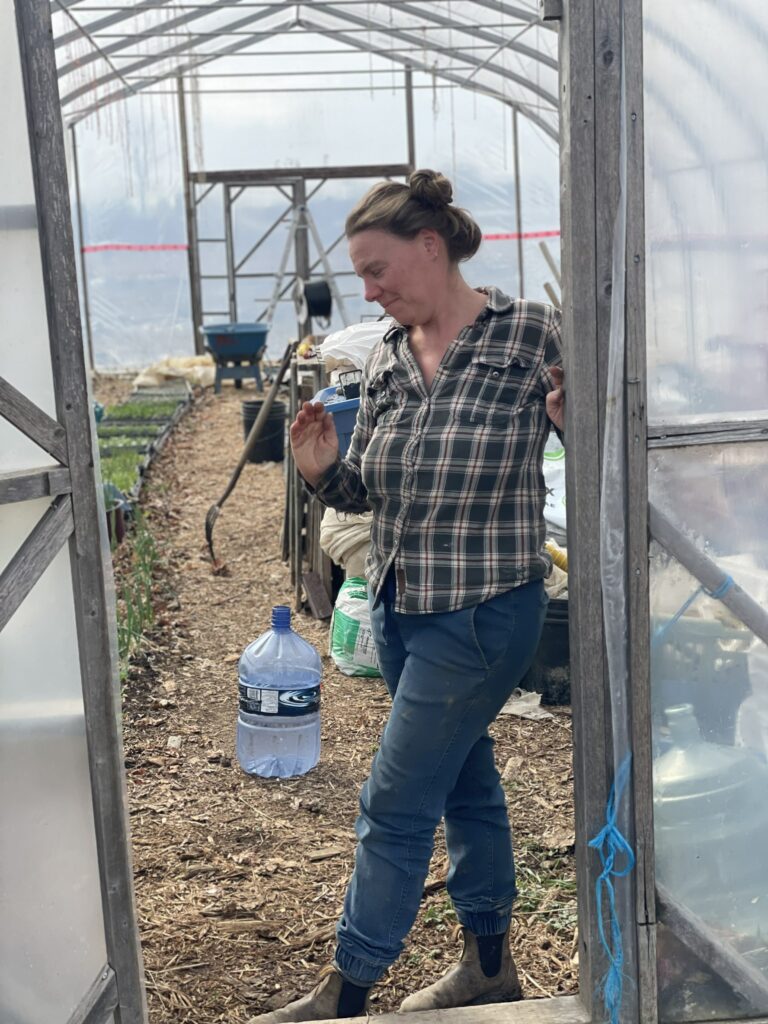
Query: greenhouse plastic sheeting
{"points": [[706, 145], [267, 90], [706, 205], [52, 942]]}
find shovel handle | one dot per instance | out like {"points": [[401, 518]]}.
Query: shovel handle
{"points": [[258, 425]]}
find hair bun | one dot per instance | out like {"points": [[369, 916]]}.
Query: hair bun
{"points": [[431, 188]]}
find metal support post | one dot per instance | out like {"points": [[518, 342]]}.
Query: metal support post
{"points": [[409, 117], [301, 244], [190, 209], [81, 251], [329, 275], [229, 248], [518, 204]]}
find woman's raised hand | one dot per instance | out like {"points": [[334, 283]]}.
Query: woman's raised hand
{"points": [[555, 400], [314, 441]]}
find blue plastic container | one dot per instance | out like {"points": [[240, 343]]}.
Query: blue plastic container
{"points": [[235, 341], [344, 412]]}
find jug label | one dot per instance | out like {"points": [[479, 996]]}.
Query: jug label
{"points": [[286, 703]]}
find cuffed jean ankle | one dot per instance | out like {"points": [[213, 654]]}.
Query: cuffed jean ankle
{"points": [[449, 674]]}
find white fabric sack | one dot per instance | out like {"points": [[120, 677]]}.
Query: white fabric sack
{"points": [[345, 537]]}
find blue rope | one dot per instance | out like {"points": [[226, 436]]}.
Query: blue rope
{"points": [[611, 845], [717, 594], [723, 589]]}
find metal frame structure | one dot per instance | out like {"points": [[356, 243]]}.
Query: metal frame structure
{"points": [[74, 518], [291, 184], [498, 48], [301, 226]]}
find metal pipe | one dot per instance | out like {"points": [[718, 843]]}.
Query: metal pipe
{"points": [[190, 209], [81, 250], [301, 244], [409, 117], [518, 204], [708, 573], [230, 256]]}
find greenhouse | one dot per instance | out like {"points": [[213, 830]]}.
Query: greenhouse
{"points": [[175, 282]]}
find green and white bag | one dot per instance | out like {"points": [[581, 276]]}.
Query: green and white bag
{"points": [[351, 641]]}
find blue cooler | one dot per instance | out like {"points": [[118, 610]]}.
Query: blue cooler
{"points": [[344, 412]]}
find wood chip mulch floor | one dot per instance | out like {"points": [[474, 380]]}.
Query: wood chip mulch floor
{"points": [[239, 880]]}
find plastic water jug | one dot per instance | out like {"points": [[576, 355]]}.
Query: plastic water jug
{"points": [[278, 724]]}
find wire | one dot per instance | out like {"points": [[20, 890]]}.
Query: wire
{"points": [[94, 44]]}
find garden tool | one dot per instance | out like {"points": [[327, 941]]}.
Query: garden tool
{"points": [[253, 436]]}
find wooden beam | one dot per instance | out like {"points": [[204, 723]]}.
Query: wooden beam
{"points": [[26, 485], [638, 612], [692, 426], [34, 556], [560, 1010], [99, 1002], [37, 425], [317, 596], [706, 944], [585, 615], [89, 551], [680, 435]]}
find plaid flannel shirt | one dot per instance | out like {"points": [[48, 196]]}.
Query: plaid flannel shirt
{"points": [[453, 473]]}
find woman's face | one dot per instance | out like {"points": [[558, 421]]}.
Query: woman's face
{"points": [[403, 275]]}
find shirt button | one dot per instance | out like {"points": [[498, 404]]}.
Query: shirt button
{"points": [[495, 373]]}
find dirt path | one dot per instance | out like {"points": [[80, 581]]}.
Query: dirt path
{"points": [[239, 880]]}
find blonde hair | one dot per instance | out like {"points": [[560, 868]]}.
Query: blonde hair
{"points": [[405, 210]]}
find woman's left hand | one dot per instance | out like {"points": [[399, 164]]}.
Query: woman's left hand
{"points": [[555, 400]]}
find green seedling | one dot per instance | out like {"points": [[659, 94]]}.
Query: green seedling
{"points": [[144, 410]]}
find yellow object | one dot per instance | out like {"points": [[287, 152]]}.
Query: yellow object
{"points": [[558, 555]]}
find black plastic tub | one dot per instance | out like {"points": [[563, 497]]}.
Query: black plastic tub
{"points": [[271, 445], [550, 673]]}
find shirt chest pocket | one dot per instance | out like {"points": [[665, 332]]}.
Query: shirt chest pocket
{"points": [[499, 386], [383, 395]]}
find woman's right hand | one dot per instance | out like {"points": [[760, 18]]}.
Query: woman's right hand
{"points": [[314, 441]]}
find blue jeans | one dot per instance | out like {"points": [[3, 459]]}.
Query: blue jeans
{"points": [[449, 674]]}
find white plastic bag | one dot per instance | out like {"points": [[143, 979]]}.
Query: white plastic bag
{"points": [[351, 642], [355, 343], [554, 480]]}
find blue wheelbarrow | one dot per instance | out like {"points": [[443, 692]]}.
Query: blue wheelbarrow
{"points": [[237, 350]]}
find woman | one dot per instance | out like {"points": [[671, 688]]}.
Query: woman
{"points": [[447, 452]]}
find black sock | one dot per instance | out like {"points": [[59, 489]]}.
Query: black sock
{"points": [[352, 999], [490, 948]]}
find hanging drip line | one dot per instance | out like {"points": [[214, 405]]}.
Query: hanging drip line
{"points": [[612, 847], [718, 593]]}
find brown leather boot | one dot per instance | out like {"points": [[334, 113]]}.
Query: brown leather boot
{"points": [[326, 1001], [467, 984]]}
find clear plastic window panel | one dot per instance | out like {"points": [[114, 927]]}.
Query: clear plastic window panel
{"points": [[706, 148], [709, 676]]}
